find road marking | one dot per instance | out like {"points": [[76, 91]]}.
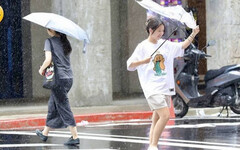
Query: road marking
{"points": [[199, 125], [146, 138], [141, 141], [206, 118], [116, 124], [204, 125], [28, 145], [39, 145]]}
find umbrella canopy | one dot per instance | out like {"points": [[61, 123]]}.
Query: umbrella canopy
{"points": [[173, 12], [58, 23]]}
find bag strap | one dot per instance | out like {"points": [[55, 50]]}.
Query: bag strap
{"points": [[51, 44], [53, 58], [52, 50]]}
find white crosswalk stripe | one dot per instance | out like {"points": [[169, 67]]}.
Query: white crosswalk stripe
{"points": [[129, 139]]}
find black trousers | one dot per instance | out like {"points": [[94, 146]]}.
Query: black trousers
{"points": [[59, 111]]}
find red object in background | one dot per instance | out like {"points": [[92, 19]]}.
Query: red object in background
{"points": [[33, 123]]}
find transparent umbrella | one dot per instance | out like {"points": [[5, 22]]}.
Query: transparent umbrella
{"points": [[173, 12], [176, 13], [60, 24]]}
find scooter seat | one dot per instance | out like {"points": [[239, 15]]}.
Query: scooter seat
{"points": [[216, 72]]}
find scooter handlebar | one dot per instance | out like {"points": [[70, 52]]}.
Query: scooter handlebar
{"points": [[191, 53], [206, 55]]}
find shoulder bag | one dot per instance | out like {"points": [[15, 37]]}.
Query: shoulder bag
{"points": [[50, 79]]}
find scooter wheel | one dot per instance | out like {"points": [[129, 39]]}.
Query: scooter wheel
{"points": [[180, 107], [235, 109]]}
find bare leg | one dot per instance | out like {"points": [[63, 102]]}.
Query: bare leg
{"points": [[164, 115], [73, 131], [46, 130], [155, 118]]}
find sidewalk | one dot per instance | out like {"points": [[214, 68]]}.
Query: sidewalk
{"points": [[40, 109], [34, 115]]}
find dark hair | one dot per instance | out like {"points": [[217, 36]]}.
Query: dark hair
{"points": [[66, 44], [153, 23]]}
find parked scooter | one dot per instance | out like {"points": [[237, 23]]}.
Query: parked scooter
{"points": [[222, 86]]}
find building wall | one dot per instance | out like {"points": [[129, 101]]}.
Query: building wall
{"points": [[223, 22], [117, 17], [27, 52], [136, 34], [128, 20], [38, 36], [92, 70]]}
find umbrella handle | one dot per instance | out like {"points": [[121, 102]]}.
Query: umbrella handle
{"points": [[165, 40]]}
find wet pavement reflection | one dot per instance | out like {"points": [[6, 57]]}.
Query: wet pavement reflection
{"points": [[187, 133]]}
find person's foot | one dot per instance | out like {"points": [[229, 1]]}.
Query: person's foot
{"points": [[42, 137], [72, 141], [152, 148]]}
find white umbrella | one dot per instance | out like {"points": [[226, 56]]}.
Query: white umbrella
{"points": [[58, 23], [173, 12]]}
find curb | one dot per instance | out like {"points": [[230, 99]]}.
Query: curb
{"points": [[91, 118]]}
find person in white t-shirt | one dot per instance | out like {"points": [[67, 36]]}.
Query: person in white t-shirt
{"points": [[156, 73]]}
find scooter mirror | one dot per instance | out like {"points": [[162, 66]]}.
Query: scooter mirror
{"points": [[211, 43]]}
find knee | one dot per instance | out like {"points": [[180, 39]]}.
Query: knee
{"points": [[165, 116]]}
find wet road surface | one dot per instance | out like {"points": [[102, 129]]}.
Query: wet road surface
{"points": [[186, 134]]}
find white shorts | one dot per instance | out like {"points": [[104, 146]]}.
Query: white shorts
{"points": [[158, 101]]}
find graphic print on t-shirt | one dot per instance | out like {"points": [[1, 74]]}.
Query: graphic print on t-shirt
{"points": [[159, 66]]}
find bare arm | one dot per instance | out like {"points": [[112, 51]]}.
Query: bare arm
{"points": [[46, 63], [189, 40], [141, 62]]}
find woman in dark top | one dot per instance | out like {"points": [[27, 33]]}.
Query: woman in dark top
{"points": [[59, 111]]}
